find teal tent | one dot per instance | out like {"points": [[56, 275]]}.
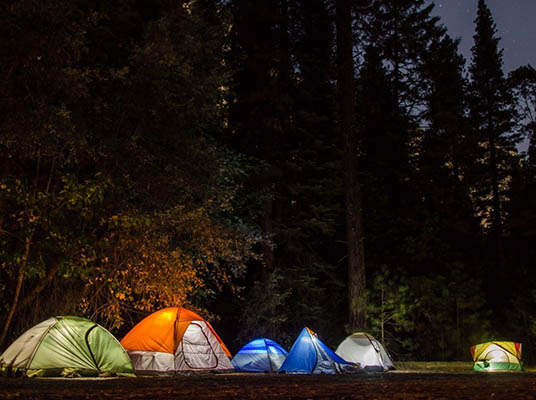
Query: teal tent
{"points": [[66, 346]]}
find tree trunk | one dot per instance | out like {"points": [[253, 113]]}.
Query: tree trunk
{"points": [[267, 265], [496, 211], [352, 193], [41, 286], [383, 319], [20, 280]]}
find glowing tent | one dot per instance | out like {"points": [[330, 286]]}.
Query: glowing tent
{"points": [[259, 355], [175, 339], [497, 356], [363, 349], [66, 346], [309, 355]]}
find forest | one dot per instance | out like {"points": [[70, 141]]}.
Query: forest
{"points": [[269, 164]]}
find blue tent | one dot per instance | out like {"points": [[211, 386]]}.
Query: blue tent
{"points": [[259, 355], [309, 355]]}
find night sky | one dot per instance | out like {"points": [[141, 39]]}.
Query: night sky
{"points": [[515, 27]]}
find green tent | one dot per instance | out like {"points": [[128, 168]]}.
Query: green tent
{"points": [[66, 346]]}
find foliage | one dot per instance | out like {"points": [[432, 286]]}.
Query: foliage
{"points": [[282, 115], [157, 153], [523, 84], [401, 31], [152, 261], [391, 307], [492, 115], [265, 314], [452, 315], [112, 170]]}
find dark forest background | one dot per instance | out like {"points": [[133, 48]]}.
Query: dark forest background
{"points": [[207, 154]]}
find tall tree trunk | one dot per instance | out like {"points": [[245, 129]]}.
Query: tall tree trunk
{"points": [[352, 192], [496, 211], [382, 318]]}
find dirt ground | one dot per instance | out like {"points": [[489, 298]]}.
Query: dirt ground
{"points": [[371, 386]]}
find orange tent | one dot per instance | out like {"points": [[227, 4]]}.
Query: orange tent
{"points": [[175, 339]]}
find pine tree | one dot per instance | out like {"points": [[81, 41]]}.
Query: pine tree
{"points": [[523, 83], [395, 38], [255, 119], [310, 204], [383, 156], [444, 163], [450, 236], [401, 31], [522, 210], [299, 171], [491, 118]]}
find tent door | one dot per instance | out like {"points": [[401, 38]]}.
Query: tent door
{"points": [[275, 357], [497, 355], [196, 348]]}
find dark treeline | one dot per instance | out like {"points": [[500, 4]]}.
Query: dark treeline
{"points": [[270, 164]]}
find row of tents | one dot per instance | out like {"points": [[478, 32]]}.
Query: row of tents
{"points": [[177, 340]]}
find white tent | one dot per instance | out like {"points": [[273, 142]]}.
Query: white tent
{"points": [[362, 348]]}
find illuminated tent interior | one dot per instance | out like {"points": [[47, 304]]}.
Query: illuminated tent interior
{"points": [[363, 349], [260, 355], [497, 356], [173, 340], [66, 346]]}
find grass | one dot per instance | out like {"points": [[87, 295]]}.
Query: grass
{"points": [[439, 366], [434, 366]]}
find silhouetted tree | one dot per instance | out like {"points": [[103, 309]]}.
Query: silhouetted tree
{"points": [[491, 114], [352, 189]]}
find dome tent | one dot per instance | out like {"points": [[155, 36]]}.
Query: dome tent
{"points": [[66, 346], [497, 356], [259, 355], [309, 355], [173, 340], [363, 349]]}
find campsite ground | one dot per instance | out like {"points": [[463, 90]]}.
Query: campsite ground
{"points": [[410, 382]]}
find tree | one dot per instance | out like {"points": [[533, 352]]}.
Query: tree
{"points": [[401, 31], [447, 222], [310, 204], [451, 313], [172, 236], [395, 38], [116, 193], [384, 170], [523, 83], [45, 212], [491, 113], [391, 307], [352, 190], [256, 119], [295, 155], [522, 210]]}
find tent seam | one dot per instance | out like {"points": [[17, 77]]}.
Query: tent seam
{"points": [[40, 341], [89, 347]]}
